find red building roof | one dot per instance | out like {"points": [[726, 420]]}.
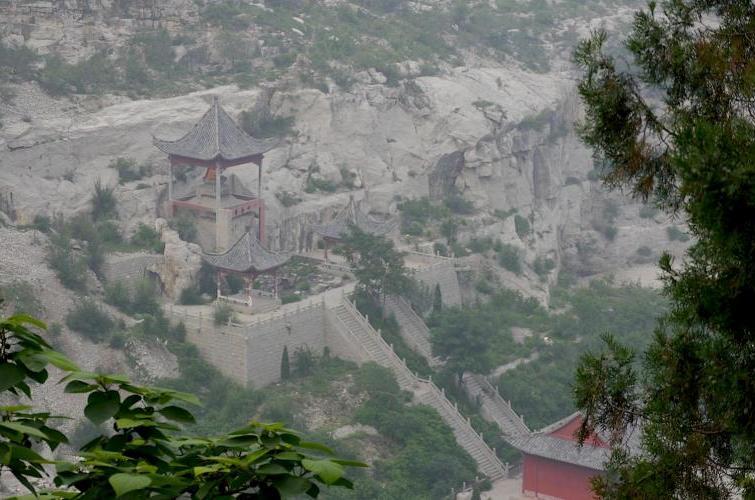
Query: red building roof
{"points": [[555, 466]]}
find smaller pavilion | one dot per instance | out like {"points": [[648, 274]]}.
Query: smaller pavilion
{"points": [[248, 259], [352, 215], [216, 143]]}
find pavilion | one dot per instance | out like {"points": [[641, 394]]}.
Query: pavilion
{"points": [[351, 215], [248, 259], [216, 143]]}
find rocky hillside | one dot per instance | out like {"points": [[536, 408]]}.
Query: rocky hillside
{"points": [[485, 122]]}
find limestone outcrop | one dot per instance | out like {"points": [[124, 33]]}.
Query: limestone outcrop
{"points": [[180, 264]]}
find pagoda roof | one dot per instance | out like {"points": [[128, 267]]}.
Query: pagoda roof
{"points": [[352, 215], [561, 450], [216, 137], [593, 454], [246, 255]]}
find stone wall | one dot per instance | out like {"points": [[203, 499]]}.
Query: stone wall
{"points": [[251, 355], [443, 274], [225, 348], [128, 268], [304, 329]]}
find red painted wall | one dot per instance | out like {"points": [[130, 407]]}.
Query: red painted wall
{"points": [[548, 478]]}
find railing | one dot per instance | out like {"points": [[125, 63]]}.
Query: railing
{"points": [[439, 394], [269, 318], [488, 388]]}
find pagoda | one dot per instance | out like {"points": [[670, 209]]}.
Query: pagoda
{"points": [[216, 143], [351, 215], [246, 258]]}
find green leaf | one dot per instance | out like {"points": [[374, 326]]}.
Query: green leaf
{"points": [[178, 414], [23, 429], [15, 408], [29, 320], [77, 387], [316, 446], [348, 463], [291, 485], [102, 405], [58, 360], [272, 469], [328, 471], [10, 375], [123, 483]]}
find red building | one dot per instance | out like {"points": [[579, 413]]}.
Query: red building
{"points": [[555, 467]]}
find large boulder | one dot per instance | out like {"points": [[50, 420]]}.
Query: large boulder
{"points": [[181, 263]]}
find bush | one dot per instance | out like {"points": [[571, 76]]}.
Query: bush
{"points": [[676, 234], [522, 226], [315, 184], [145, 298], [644, 251], [304, 362], [128, 170], [481, 245], [70, 267], [459, 205], [190, 296], [41, 223], [91, 321], [103, 201], [21, 298], [185, 226], [117, 295], [440, 249], [375, 379], [572, 181], [222, 314], [263, 124], [288, 299], [147, 238], [510, 258], [543, 266]]}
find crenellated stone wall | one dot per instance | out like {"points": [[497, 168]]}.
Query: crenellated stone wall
{"points": [[251, 354]]}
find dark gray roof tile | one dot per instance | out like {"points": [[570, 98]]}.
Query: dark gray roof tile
{"points": [[246, 255], [216, 136]]}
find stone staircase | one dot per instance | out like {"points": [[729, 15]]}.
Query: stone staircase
{"points": [[442, 273], [425, 391], [413, 328], [493, 406]]}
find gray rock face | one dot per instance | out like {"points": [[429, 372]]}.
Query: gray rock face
{"points": [[501, 137]]}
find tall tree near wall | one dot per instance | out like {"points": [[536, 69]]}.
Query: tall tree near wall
{"points": [[378, 266], [437, 299], [678, 129], [285, 365]]}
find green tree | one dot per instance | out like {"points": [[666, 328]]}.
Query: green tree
{"points": [[143, 455], [285, 365], [694, 156], [462, 341], [378, 266], [437, 299]]}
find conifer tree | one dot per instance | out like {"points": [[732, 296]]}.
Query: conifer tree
{"points": [[677, 127], [285, 365]]}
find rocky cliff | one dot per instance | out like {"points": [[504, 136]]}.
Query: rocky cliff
{"points": [[501, 136]]}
